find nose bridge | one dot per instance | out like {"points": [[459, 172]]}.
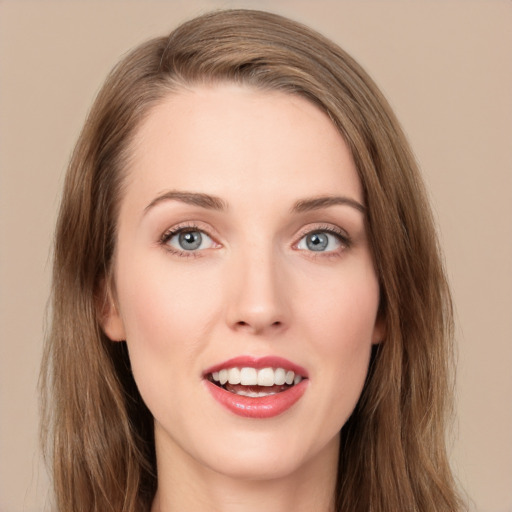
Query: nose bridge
{"points": [[257, 300]]}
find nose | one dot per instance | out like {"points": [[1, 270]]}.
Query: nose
{"points": [[258, 300]]}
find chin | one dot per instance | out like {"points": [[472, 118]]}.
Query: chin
{"points": [[263, 458], [261, 467]]}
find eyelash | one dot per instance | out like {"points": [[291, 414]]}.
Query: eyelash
{"points": [[183, 228], [341, 236]]}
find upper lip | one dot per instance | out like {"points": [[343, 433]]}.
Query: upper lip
{"points": [[258, 363]]}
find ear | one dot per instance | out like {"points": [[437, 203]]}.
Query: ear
{"points": [[108, 314], [379, 329]]}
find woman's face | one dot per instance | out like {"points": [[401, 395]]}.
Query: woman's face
{"points": [[242, 254]]}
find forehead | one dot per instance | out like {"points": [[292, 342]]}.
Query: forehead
{"points": [[229, 141]]}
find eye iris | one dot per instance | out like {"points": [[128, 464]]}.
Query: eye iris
{"points": [[190, 240], [317, 241]]}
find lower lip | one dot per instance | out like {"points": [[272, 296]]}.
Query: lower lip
{"points": [[258, 407]]}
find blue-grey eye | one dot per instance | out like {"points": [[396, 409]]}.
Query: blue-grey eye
{"points": [[190, 240], [319, 241]]}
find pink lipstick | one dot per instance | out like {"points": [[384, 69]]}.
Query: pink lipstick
{"points": [[256, 387]]}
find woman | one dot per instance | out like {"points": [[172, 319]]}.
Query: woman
{"points": [[249, 305]]}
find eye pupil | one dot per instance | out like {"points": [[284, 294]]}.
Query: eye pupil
{"points": [[317, 241], [190, 240]]}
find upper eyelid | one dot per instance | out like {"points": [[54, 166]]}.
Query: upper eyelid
{"points": [[329, 228], [189, 226], [344, 239], [175, 230]]}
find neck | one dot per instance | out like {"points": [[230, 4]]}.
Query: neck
{"points": [[185, 485]]}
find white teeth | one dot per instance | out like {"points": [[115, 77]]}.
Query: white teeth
{"points": [[234, 376], [279, 377], [254, 394], [266, 377], [248, 376], [223, 376]]}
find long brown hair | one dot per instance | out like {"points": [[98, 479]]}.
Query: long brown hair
{"points": [[98, 431]]}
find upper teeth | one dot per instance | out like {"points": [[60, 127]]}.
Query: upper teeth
{"points": [[253, 377]]}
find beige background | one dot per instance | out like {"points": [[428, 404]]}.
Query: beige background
{"points": [[446, 68]]}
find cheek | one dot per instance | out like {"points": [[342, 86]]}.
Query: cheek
{"points": [[341, 323], [343, 311], [165, 314], [159, 299]]}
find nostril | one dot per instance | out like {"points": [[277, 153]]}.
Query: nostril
{"points": [[258, 323]]}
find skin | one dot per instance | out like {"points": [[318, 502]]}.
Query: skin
{"points": [[253, 288]]}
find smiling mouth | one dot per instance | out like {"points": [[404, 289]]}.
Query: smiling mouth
{"points": [[255, 383]]}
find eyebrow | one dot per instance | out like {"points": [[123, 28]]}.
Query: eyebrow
{"points": [[216, 203], [194, 198], [317, 203]]}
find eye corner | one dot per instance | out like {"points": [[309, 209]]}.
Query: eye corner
{"points": [[323, 240], [188, 240]]}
